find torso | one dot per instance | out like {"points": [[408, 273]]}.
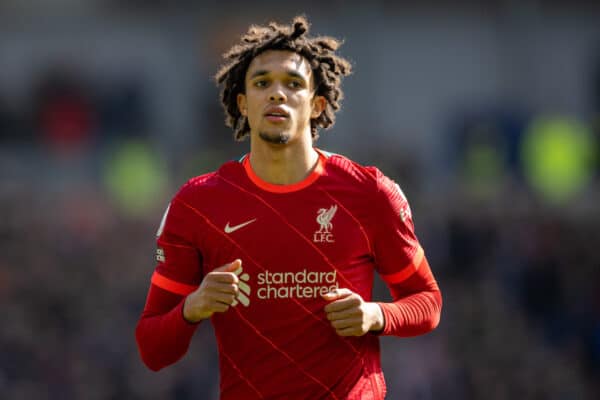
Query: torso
{"points": [[294, 246]]}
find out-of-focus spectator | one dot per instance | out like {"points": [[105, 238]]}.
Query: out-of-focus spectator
{"points": [[11, 130], [123, 109], [64, 111]]}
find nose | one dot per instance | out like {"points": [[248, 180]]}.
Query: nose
{"points": [[277, 95]]}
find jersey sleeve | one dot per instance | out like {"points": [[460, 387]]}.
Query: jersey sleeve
{"points": [[162, 334], [398, 253], [402, 264], [178, 260]]}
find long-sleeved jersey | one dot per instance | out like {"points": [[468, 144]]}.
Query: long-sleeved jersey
{"points": [[335, 229]]}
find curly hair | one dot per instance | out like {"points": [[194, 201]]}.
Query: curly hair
{"points": [[327, 68]]}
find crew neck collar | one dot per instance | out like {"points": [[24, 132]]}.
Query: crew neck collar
{"points": [[316, 172]]}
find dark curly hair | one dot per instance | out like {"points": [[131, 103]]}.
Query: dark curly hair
{"points": [[328, 69]]}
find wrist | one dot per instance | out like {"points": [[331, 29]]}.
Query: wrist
{"points": [[188, 313], [378, 322]]}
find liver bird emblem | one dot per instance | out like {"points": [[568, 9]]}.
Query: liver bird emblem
{"points": [[324, 217]]}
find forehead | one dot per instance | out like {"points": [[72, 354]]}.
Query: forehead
{"points": [[277, 61]]}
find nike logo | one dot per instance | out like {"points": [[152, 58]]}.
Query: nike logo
{"points": [[229, 229]]}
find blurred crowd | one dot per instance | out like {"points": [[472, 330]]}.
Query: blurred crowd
{"points": [[505, 201]]}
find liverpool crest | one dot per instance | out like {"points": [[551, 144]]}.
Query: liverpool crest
{"points": [[324, 217]]}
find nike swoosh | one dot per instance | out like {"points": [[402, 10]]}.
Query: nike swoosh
{"points": [[229, 229]]}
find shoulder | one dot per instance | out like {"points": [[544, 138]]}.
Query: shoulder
{"points": [[209, 182], [343, 168], [369, 178], [197, 185]]}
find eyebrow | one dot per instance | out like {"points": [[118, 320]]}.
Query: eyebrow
{"points": [[290, 72]]}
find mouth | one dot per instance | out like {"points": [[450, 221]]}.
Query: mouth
{"points": [[276, 114]]}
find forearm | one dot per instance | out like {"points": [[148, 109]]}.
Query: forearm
{"points": [[417, 305], [413, 315], [162, 334]]}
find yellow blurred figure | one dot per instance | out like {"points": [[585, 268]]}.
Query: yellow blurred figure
{"points": [[558, 155], [136, 178]]}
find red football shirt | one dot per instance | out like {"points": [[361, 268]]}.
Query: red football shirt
{"points": [[296, 242]]}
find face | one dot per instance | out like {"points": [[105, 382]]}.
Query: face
{"points": [[279, 100]]}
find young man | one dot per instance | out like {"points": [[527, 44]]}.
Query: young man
{"points": [[279, 249]]}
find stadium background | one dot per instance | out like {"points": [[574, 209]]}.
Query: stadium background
{"points": [[487, 115]]}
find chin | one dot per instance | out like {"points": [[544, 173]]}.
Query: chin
{"points": [[275, 137]]}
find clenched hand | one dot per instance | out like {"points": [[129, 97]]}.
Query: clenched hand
{"points": [[216, 293], [350, 315]]}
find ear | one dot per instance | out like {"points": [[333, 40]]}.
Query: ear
{"points": [[241, 103], [318, 106]]}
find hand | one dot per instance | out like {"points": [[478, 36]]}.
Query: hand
{"points": [[218, 290], [350, 315]]}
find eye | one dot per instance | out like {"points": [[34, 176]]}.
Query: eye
{"points": [[295, 84], [260, 83]]}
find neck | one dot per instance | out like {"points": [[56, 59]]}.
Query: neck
{"points": [[282, 164]]}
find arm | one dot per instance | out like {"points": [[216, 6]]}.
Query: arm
{"points": [[162, 334], [170, 317], [417, 304], [401, 262], [179, 296], [415, 310]]}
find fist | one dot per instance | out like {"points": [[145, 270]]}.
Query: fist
{"points": [[350, 315], [216, 293]]}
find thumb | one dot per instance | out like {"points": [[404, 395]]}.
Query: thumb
{"points": [[337, 294], [230, 267]]}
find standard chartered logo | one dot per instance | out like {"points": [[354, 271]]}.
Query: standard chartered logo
{"points": [[285, 285], [302, 284], [244, 288]]}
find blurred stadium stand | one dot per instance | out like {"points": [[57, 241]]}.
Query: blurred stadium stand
{"points": [[107, 107]]}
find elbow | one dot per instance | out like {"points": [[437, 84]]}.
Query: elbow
{"points": [[153, 366], [148, 357], [436, 315], [433, 322], [151, 361], [433, 314]]}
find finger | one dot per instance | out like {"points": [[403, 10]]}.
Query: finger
{"points": [[346, 323], [343, 304], [230, 267], [220, 307], [225, 298], [343, 314], [337, 294], [224, 287], [224, 277], [350, 331]]}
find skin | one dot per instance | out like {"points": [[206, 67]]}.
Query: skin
{"points": [[281, 152], [350, 315], [215, 294]]}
